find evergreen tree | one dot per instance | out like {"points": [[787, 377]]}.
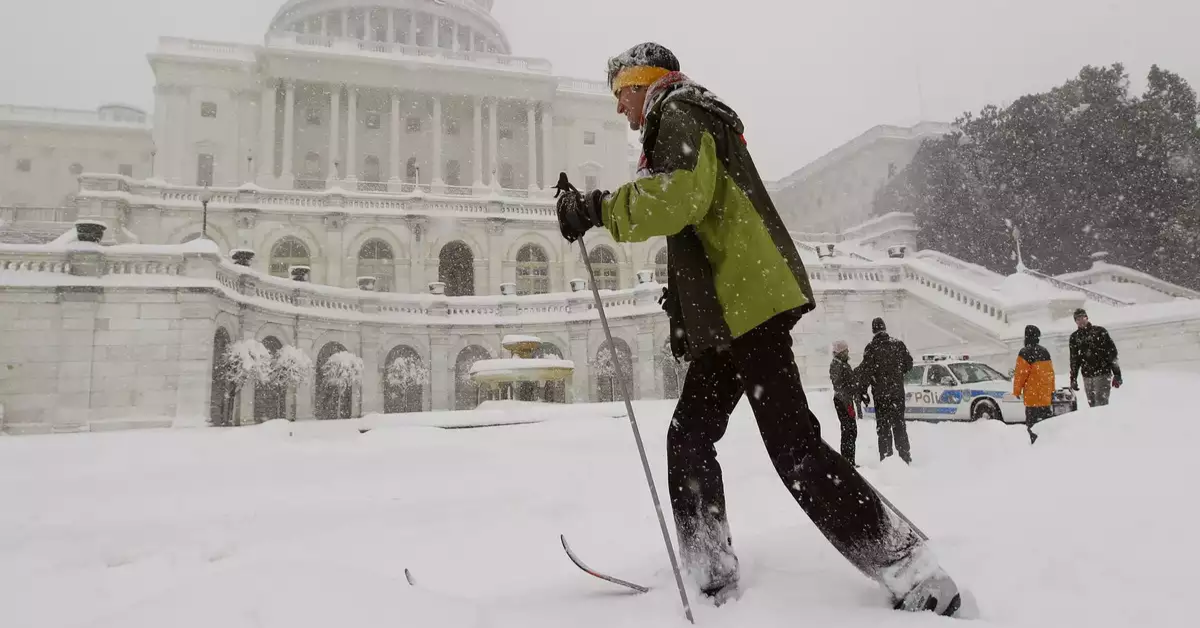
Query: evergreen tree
{"points": [[1082, 168]]}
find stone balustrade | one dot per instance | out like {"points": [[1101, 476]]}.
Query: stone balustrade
{"points": [[101, 188], [351, 45]]}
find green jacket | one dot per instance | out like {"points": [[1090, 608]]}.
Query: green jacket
{"points": [[731, 263]]}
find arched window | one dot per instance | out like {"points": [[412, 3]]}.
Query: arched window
{"points": [[553, 392], [453, 172], [371, 171], [375, 259], [410, 170], [607, 370], [533, 270], [312, 167], [466, 392], [507, 180], [456, 269], [288, 252], [270, 400], [660, 266], [604, 265], [219, 405], [404, 378], [331, 403]]}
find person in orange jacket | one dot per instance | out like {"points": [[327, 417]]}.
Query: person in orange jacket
{"points": [[1033, 380]]}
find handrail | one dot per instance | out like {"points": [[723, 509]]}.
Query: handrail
{"points": [[1099, 297]]}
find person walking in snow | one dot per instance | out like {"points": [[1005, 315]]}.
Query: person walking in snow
{"points": [[885, 362], [1033, 380], [845, 393], [1093, 353], [736, 287]]}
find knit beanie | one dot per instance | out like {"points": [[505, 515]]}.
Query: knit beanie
{"points": [[641, 65], [878, 325]]}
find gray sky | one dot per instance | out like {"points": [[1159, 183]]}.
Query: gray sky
{"points": [[806, 76]]}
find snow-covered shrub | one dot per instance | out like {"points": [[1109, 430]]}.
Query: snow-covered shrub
{"points": [[247, 361], [406, 371], [342, 372], [244, 362], [292, 367]]}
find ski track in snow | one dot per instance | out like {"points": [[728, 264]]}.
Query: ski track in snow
{"points": [[313, 524]]}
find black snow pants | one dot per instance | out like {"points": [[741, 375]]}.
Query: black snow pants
{"points": [[890, 427], [827, 487], [849, 428], [1035, 415]]}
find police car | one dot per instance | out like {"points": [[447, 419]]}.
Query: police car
{"points": [[953, 388]]}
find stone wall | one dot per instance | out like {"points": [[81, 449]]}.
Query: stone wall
{"points": [[102, 357]]}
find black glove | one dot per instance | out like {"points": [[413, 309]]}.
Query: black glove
{"points": [[1116, 382], [866, 399], [576, 213]]}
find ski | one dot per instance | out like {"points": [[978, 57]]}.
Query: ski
{"points": [[588, 570]]}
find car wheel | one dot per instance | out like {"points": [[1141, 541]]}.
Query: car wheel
{"points": [[986, 410]]}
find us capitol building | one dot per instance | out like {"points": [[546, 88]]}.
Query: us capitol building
{"points": [[374, 177]]}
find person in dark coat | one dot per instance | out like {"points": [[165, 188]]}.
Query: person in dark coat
{"points": [[885, 362], [1033, 380], [736, 287], [1093, 353], [846, 392]]}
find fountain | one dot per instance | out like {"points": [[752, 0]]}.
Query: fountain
{"points": [[521, 377]]}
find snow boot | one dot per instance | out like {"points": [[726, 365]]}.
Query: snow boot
{"points": [[721, 591], [937, 593], [918, 583]]}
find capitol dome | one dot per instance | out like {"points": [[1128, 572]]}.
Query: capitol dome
{"points": [[465, 25]]}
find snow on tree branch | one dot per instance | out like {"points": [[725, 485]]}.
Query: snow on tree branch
{"points": [[247, 361], [292, 367], [343, 370], [406, 371]]}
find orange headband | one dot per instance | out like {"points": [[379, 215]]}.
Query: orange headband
{"points": [[637, 75]]}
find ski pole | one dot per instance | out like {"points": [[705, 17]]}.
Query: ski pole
{"points": [[637, 435]]}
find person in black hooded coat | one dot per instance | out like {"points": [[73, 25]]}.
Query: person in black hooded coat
{"points": [[885, 362]]}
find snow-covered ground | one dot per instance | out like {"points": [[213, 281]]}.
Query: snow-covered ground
{"points": [[312, 525]]}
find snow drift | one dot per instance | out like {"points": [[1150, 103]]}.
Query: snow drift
{"points": [[303, 525]]}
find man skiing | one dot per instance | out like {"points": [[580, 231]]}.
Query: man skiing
{"points": [[1033, 380], [736, 288], [1094, 353], [845, 393], [885, 362]]}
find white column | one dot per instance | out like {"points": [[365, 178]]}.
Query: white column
{"points": [[477, 158], [494, 137], [531, 124], [394, 158], [345, 22], [412, 28], [549, 176], [437, 32], [351, 172], [324, 25], [335, 114], [266, 136], [454, 41], [437, 142], [391, 26], [287, 178]]}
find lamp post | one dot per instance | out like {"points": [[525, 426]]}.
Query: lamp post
{"points": [[1016, 233], [205, 197]]}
